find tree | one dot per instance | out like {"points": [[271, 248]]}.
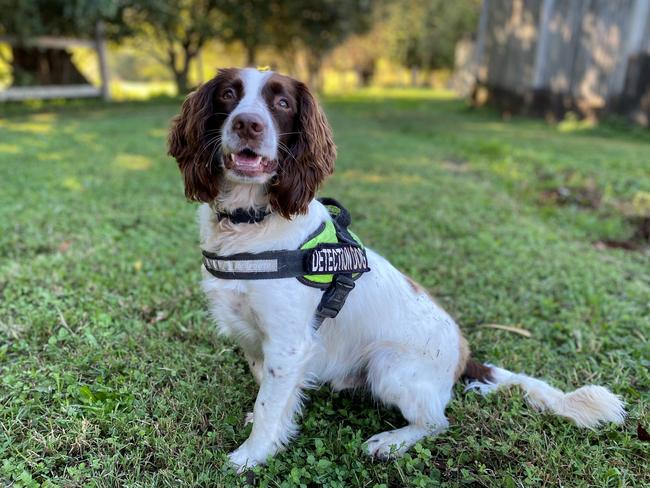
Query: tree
{"points": [[361, 54], [23, 19], [423, 33], [321, 25], [178, 29], [253, 22]]}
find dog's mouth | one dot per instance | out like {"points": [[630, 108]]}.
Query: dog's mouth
{"points": [[249, 163]]}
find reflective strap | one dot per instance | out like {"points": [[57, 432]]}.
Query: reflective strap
{"points": [[243, 266]]}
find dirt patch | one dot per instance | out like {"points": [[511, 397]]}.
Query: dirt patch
{"points": [[638, 241], [456, 165], [586, 196], [580, 191]]}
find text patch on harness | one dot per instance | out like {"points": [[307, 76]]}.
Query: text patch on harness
{"points": [[336, 258]]}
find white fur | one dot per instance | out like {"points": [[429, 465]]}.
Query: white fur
{"points": [[588, 406], [390, 336], [252, 102]]}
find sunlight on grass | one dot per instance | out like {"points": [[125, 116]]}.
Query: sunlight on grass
{"points": [[157, 132], [375, 178], [28, 127], [508, 170], [362, 176], [50, 156], [46, 117], [133, 162], [9, 149], [378, 94], [571, 123], [134, 90], [85, 137], [73, 184]]}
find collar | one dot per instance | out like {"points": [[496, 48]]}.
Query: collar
{"points": [[243, 215]]}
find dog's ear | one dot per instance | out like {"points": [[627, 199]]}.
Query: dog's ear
{"points": [[310, 159], [189, 145]]}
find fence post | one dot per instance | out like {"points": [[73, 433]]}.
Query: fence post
{"points": [[100, 40], [543, 34], [632, 44], [479, 52]]}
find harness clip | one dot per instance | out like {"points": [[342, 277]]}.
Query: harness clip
{"points": [[334, 297]]}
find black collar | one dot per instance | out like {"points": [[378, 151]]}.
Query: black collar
{"points": [[243, 215]]}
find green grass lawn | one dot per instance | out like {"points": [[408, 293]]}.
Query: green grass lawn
{"points": [[111, 373]]}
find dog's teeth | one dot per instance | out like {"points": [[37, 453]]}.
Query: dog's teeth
{"points": [[232, 156]]}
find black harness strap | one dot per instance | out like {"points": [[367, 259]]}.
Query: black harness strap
{"points": [[324, 259]]}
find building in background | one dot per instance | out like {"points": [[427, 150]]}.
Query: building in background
{"points": [[549, 57]]}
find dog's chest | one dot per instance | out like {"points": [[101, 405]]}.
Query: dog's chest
{"points": [[231, 306]]}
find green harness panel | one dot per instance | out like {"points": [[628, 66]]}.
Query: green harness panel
{"points": [[326, 234]]}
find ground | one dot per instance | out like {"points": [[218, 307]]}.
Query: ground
{"points": [[111, 373]]}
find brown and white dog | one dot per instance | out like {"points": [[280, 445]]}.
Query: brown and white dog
{"points": [[257, 140]]}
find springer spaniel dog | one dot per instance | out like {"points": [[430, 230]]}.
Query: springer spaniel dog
{"points": [[258, 142]]}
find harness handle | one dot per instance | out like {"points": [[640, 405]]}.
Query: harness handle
{"points": [[342, 217]]}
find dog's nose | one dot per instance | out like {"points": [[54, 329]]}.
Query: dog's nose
{"points": [[248, 126]]}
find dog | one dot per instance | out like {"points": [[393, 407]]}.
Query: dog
{"points": [[257, 143]]}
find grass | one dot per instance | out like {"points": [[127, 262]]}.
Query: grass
{"points": [[111, 373]]}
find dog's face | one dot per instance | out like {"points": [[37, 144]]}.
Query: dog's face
{"points": [[253, 127]]}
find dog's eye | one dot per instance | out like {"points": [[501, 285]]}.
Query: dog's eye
{"points": [[228, 94], [283, 103]]}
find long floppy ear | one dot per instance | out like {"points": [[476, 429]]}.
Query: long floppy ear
{"points": [[188, 144], [311, 159]]}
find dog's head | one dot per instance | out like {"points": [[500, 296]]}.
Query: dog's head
{"points": [[251, 127]]}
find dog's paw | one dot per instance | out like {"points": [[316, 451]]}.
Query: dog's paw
{"points": [[242, 459], [386, 445], [248, 419]]}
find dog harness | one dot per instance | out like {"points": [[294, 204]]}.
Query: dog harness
{"points": [[331, 259]]}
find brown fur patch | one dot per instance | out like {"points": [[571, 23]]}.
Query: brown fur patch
{"points": [[192, 138], [477, 371], [310, 158], [415, 286], [463, 357]]}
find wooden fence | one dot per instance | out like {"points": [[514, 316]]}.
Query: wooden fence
{"points": [[551, 56], [62, 91]]}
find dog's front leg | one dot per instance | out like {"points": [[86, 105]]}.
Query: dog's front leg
{"points": [[278, 399]]}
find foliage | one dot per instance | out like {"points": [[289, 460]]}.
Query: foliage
{"points": [[77, 18], [255, 23], [178, 29], [29, 18], [361, 53], [423, 33], [182, 27], [319, 26], [111, 370]]}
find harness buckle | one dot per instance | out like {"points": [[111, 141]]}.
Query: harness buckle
{"points": [[335, 296]]}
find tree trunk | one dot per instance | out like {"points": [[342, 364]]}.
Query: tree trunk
{"points": [[32, 66], [414, 76], [182, 82], [313, 67], [181, 75], [366, 74], [251, 55]]}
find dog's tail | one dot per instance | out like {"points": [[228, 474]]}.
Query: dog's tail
{"points": [[588, 406]]}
